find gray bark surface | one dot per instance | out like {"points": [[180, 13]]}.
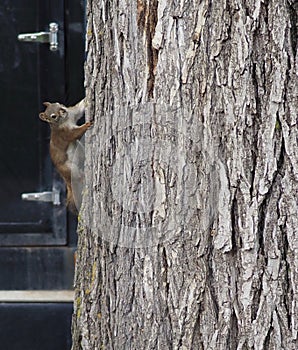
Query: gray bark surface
{"points": [[188, 231]]}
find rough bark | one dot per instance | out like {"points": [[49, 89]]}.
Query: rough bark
{"points": [[188, 229]]}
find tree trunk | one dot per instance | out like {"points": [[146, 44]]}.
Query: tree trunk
{"points": [[188, 232]]}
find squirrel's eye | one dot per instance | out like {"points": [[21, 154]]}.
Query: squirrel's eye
{"points": [[53, 116]]}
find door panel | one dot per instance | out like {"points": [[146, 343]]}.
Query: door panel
{"points": [[35, 268], [29, 74], [35, 326]]}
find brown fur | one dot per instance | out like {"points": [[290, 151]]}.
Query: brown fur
{"points": [[64, 133]]}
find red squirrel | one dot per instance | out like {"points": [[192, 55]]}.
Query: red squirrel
{"points": [[64, 134]]}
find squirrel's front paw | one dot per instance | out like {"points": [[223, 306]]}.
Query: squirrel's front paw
{"points": [[89, 124]]}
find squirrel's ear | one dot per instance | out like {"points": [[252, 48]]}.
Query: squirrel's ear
{"points": [[63, 111], [46, 104], [42, 116]]}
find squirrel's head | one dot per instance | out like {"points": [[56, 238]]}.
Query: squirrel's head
{"points": [[55, 113]]}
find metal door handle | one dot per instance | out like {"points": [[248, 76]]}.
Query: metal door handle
{"points": [[50, 37]]}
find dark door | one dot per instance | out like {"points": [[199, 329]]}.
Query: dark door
{"points": [[36, 242], [29, 74]]}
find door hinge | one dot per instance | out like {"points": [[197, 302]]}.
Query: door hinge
{"points": [[50, 37], [48, 196]]}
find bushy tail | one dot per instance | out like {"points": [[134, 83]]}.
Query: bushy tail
{"points": [[70, 202]]}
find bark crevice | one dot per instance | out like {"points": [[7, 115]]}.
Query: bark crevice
{"points": [[293, 13], [147, 20]]}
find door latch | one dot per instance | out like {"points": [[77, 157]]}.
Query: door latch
{"points": [[50, 37], [48, 196]]}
